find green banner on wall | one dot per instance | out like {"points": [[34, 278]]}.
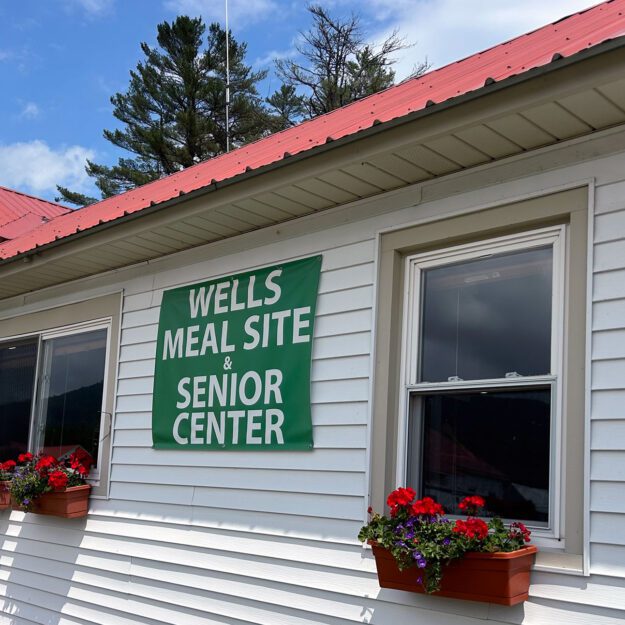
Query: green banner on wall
{"points": [[233, 361]]}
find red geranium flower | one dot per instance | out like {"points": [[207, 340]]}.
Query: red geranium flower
{"points": [[44, 463], [518, 530], [426, 506], [57, 479], [9, 465], [401, 497], [471, 528], [27, 457]]}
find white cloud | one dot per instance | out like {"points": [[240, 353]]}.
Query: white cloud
{"points": [[274, 55], [35, 167], [91, 7], [241, 13], [448, 30], [29, 111]]}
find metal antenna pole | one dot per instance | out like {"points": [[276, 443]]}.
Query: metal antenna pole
{"points": [[227, 81]]}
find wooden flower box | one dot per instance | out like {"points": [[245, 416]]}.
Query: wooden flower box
{"points": [[69, 503], [5, 495], [502, 578]]}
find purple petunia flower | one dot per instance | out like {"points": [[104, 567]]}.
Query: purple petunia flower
{"points": [[421, 561]]}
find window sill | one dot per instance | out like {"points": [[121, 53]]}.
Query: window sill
{"points": [[563, 563]]}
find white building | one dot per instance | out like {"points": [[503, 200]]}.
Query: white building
{"points": [[469, 337]]}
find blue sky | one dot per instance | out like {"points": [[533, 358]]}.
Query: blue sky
{"points": [[61, 60]]}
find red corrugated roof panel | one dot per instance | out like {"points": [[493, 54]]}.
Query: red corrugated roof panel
{"points": [[566, 37], [15, 204]]}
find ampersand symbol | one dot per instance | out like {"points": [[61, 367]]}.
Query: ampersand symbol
{"points": [[228, 363]]}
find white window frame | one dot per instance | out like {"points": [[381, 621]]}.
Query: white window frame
{"points": [[69, 330], [414, 265]]}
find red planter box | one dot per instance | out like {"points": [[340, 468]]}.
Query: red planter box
{"points": [[69, 503], [5, 495], [502, 578]]}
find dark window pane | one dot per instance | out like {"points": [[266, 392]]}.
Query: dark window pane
{"points": [[71, 401], [489, 443], [18, 362], [487, 317]]}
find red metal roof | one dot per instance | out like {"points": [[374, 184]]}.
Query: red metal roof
{"points": [[20, 213], [565, 37]]}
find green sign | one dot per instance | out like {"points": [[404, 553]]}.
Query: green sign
{"points": [[233, 361]]}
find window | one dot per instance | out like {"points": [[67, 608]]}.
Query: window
{"points": [[56, 382], [457, 346], [481, 370]]}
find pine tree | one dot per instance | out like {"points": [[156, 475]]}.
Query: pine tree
{"points": [[173, 112], [286, 106], [337, 66]]}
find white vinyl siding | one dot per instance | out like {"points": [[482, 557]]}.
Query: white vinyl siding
{"points": [[242, 538]]}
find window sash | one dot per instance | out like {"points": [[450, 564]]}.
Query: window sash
{"points": [[411, 330], [105, 418]]}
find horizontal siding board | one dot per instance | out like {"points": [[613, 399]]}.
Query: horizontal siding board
{"points": [[609, 434], [141, 351], [607, 528], [609, 255], [610, 197], [607, 560], [343, 323], [357, 344], [608, 345], [140, 334], [608, 315], [608, 374], [347, 278], [341, 301], [608, 466], [320, 482], [594, 591], [136, 369], [607, 404], [316, 460], [36, 542], [610, 226], [607, 497], [609, 285], [328, 530], [343, 507]]}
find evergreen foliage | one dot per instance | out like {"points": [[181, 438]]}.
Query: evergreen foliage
{"points": [[172, 115]]}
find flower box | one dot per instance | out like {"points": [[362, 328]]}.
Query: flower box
{"points": [[502, 578], [69, 503], [5, 495]]}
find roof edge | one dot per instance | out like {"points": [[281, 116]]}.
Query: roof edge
{"points": [[377, 128]]}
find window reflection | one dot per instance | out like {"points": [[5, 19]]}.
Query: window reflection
{"points": [[18, 362], [71, 395], [491, 443], [487, 317]]}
